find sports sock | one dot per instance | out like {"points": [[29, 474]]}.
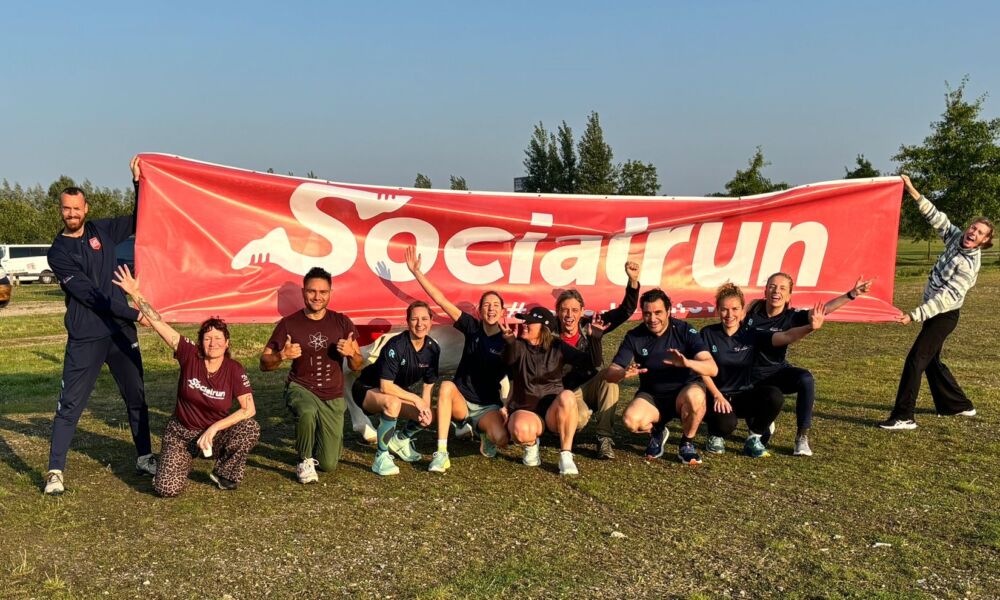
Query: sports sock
{"points": [[443, 445], [410, 430], [386, 427], [685, 440]]}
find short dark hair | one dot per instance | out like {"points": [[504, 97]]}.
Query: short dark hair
{"points": [[73, 191], [317, 273], [215, 323], [415, 305], [652, 296], [570, 294]]}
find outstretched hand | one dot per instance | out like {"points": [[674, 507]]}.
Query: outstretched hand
{"points": [[124, 279], [633, 370], [598, 324], [903, 319], [677, 359], [412, 259], [909, 187], [506, 329], [817, 315], [134, 166]]}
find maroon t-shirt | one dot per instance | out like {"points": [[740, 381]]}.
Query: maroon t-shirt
{"points": [[203, 399], [319, 368]]}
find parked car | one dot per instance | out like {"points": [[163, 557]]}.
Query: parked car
{"points": [[26, 262]]}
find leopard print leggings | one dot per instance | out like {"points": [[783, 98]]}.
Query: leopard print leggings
{"points": [[178, 449]]}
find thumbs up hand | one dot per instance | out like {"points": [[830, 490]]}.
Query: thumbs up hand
{"points": [[290, 351], [348, 347]]}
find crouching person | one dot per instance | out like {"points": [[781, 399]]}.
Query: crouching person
{"points": [[202, 423]]}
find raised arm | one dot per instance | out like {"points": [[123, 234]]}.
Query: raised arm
{"points": [[618, 315], [413, 264], [124, 280], [861, 287], [937, 219]]}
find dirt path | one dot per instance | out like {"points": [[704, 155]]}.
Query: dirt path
{"points": [[31, 308]]}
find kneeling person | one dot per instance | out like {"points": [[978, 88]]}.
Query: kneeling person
{"points": [[316, 340], [667, 354], [201, 423], [382, 388]]}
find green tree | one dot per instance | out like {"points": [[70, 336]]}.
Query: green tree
{"points": [[636, 178], [422, 181], [596, 173], [541, 162], [862, 170], [751, 181], [311, 175], [567, 163], [957, 165], [458, 183]]}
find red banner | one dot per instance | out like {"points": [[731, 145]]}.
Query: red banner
{"points": [[215, 240]]}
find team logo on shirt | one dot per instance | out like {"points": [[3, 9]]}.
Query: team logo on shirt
{"points": [[95, 243], [644, 352], [195, 384], [318, 341], [715, 350], [392, 353], [692, 330], [402, 363]]}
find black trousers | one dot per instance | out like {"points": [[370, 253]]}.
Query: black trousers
{"points": [[759, 406], [925, 357], [81, 367]]}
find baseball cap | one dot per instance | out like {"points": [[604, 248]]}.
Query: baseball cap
{"points": [[539, 314]]}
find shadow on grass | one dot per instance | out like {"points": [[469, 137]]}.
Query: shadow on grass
{"points": [[96, 446]]}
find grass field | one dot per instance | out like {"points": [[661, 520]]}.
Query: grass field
{"points": [[873, 514]]}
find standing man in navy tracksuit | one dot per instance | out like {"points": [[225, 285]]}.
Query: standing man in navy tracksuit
{"points": [[101, 327]]}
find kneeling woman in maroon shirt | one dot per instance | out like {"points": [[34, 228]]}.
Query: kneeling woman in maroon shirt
{"points": [[201, 424]]}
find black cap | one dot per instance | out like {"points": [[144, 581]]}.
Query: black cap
{"points": [[539, 314]]}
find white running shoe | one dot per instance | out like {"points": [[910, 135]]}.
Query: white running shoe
{"points": [[54, 483], [531, 457], [463, 431], [802, 446], [306, 471], [966, 413], [566, 464], [898, 424]]}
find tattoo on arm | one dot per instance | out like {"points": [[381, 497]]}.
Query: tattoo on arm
{"points": [[149, 311]]}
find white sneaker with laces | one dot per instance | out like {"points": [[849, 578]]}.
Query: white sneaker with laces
{"points": [[54, 483], [146, 464], [306, 471]]}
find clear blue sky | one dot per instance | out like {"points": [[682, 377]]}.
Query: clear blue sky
{"points": [[375, 92]]}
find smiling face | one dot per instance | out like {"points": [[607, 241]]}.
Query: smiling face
{"points": [[491, 309], [731, 312], [316, 294], [214, 344], [419, 322], [73, 209], [531, 332], [976, 235], [569, 311], [778, 292], [654, 315]]}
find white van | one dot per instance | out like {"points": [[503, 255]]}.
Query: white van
{"points": [[26, 262]]}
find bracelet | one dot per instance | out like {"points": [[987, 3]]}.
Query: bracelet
{"points": [[850, 297]]}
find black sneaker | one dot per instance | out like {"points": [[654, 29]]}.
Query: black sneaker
{"points": [[657, 441], [222, 482], [688, 454], [898, 424]]}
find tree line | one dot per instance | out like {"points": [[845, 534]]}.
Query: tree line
{"points": [[957, 165]]}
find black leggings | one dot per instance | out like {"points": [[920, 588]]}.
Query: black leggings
{"points": [[759, 406], [925, 357], [793, 380]]}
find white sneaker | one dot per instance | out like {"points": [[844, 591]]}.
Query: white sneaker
{"points": [[802, 446], [566, 464], [967, 413], [463, 432], [531, 457], [54, 483], [146, 464], [306, 471]]}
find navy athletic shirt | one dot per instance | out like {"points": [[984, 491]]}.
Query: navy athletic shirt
{"points": [[401, 364], [481, 368], [735, 355], [95, 307], [773, 359], [649, 351]]}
